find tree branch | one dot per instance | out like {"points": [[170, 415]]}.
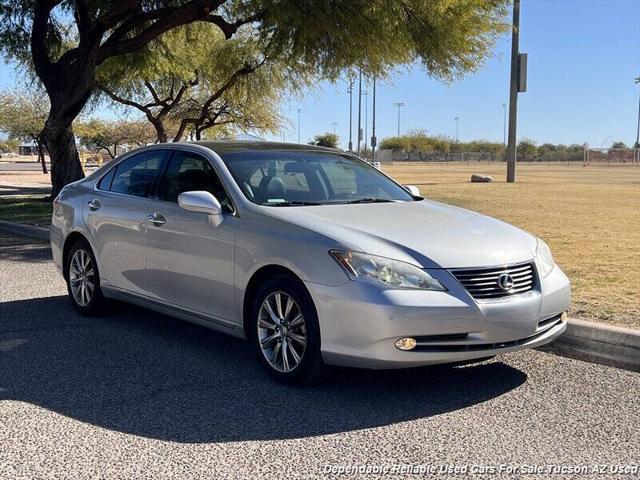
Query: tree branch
{"points": [[166, 18], [39, 32], [154, 94], [230, 28], [115, 97], [83, 21]]}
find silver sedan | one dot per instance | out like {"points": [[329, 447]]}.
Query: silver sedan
{"points": [[311, 254]]}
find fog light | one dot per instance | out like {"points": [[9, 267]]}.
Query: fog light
{"points": [[564, 316], [406, 343]]}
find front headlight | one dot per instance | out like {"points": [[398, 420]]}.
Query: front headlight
{"points": [[371, 268], [545, 259]]}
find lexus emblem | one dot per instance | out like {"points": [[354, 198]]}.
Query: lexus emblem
{"points": [[505, 282]]}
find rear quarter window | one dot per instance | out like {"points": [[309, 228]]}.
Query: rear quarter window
{"points": [[105, 182]]}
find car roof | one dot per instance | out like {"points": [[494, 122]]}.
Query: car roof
{"points": [[232, 146]]}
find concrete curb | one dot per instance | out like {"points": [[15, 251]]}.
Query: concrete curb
{"points": [[31, 231], [598, 343]]}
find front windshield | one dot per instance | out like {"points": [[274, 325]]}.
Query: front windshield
{"points": [[289, 178]]}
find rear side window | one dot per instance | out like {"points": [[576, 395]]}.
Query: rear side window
{"points": [[137, 175]]}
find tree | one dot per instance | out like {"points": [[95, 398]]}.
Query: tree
{"points": [[527, 149], [97, 134], [22, 117], [330, 140], [619, 145], [66, 41], [8, 145], [197, 80]]}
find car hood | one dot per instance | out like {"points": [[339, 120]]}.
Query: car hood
{"points": [[427, 233]]}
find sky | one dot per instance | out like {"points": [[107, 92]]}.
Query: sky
{"points": [[583, 57]]}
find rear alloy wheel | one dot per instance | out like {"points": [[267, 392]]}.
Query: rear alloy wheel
{"points": [[83, 279], [285, 332]]}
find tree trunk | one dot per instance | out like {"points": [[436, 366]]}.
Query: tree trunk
{"points": [[41, 155], [65, 161], [158, 124]]}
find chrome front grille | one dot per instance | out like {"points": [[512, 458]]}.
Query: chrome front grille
{"points": [[485, 283]]}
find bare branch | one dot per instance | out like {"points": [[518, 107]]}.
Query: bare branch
{"points": [[115, 97], [154, 94]]}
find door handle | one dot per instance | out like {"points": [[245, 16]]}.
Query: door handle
{"points": [[157, 219], [93, 204]]}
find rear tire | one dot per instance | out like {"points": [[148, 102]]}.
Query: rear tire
{"points": [[83, 279], [283, 328]]}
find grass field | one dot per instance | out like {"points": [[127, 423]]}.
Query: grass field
{"points": [[589, 216], [26, 209]]}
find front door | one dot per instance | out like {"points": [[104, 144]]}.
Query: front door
{"points": [[116, 218], [190, 261]]}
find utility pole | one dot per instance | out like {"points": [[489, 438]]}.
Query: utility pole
{"points": [[457, 119], [298, 125], [517, 84], [399, 105], [350, 91], [374, 140], [359, 110], [638, 127], [504, 124]]}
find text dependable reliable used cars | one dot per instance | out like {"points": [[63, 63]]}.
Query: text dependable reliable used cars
{"points": [[313, 255]]}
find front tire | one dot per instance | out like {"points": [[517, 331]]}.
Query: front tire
{"points": [[83, 279], [285, 333]]}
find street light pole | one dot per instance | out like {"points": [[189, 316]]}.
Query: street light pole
{"points": [[298, 125], [335, 124], [399, 105], [457, 119], [513, 93], [638, 127]]}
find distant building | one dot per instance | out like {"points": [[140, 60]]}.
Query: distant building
{"points": [[28, 148]]}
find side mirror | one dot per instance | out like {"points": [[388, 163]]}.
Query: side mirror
{"points": [[413, 190], [200, 201]]}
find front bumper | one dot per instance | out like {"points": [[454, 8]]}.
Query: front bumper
{"points": [[360, 322]]}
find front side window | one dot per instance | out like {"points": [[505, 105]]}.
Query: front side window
{"points": [[137, 175], [271, 177], [188, 172]]}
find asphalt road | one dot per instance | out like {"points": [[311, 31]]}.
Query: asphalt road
{"points": [[21, 166], [135, 394]]}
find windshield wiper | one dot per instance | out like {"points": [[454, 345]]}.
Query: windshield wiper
{"points": [[368, 200], [291, 204]]}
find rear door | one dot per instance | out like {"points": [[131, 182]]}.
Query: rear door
{"points": [[190, 261], [116, 216]]}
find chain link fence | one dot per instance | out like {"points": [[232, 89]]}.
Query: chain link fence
{"points": [[586, 157]]}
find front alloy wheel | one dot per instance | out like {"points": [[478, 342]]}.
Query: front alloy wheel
{"points": [[283, 326], [282, 331]]}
